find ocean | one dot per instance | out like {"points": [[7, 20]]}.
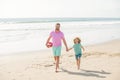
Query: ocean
{"points": [[30, 34], [46, 20]]}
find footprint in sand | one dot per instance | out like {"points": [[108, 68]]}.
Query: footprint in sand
{"points": [[37, 66], [48, 65], [9, 72], [70, 55]]}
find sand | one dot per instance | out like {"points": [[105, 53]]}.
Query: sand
{"points": [[99, 62]]}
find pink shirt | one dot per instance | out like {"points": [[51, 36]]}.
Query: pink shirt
{"points": [[56, 38]]}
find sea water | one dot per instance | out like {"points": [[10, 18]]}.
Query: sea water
{"points": [[23, 36]]}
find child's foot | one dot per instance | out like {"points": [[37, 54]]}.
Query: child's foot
{"points": [[78, 68], [56, 71]]}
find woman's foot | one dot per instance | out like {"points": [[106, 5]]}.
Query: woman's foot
{"points": [[59, 63]]}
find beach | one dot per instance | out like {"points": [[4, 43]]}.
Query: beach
{"points": [[99, 62], [59, 40], [24, 56]]}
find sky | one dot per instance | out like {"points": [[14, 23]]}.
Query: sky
{"points": [[59, 8]]}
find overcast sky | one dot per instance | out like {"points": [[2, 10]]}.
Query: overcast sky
{"points": [[59, 8]]}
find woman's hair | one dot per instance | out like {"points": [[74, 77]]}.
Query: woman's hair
{"points": [[58, 24], [79, 40]]}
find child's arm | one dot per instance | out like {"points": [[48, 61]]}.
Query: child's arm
{"points": [[83, 48]]}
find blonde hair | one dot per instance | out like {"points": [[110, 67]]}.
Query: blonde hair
{"points": [[79, 40]]}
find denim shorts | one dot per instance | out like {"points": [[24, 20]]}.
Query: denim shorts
{"points": [[77, 56]]}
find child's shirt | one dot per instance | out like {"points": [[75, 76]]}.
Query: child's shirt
{"points": [[77, 48]]}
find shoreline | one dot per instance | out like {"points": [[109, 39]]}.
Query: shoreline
{"points": [[49, 49]]}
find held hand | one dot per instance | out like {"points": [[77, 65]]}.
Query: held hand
{"points": [[83, 49]]}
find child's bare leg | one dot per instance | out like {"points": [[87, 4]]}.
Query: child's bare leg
{"points": [[78, 63]]}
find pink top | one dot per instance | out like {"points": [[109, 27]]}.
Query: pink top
{"points": [[56, 38]]}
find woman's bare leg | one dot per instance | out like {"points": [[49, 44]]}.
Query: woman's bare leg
{"points": [[57, 63], [55, 59]]}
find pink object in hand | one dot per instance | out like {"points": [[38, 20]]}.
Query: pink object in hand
{"points": [[50, 44]]}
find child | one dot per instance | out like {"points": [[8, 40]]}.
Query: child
{"points": [[78, 52]]}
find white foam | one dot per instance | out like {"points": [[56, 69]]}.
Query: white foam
{"points": [[32, 36]]}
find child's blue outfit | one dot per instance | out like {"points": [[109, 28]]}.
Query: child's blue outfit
{"points": [[78, 51]]}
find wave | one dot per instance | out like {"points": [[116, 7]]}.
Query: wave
{"points": [[46, 20]]}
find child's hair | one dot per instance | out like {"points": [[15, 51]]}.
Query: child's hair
{"points": [[79, 40]]}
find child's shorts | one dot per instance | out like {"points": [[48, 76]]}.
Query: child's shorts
{"points": [[78, 56], [57, 51]]}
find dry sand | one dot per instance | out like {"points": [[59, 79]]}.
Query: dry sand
{"points": [[99, 62]]}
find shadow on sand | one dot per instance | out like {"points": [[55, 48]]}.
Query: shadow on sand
{"points": [[88, 73]]}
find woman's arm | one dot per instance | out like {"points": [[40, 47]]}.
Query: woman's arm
{"points": [[64, 41]]}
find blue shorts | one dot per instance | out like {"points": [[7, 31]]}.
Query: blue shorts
{"points": [[77, 56], [57, 51]]}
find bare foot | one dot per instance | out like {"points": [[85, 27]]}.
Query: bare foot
{"points": [[56, 71], [55, 63]]}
